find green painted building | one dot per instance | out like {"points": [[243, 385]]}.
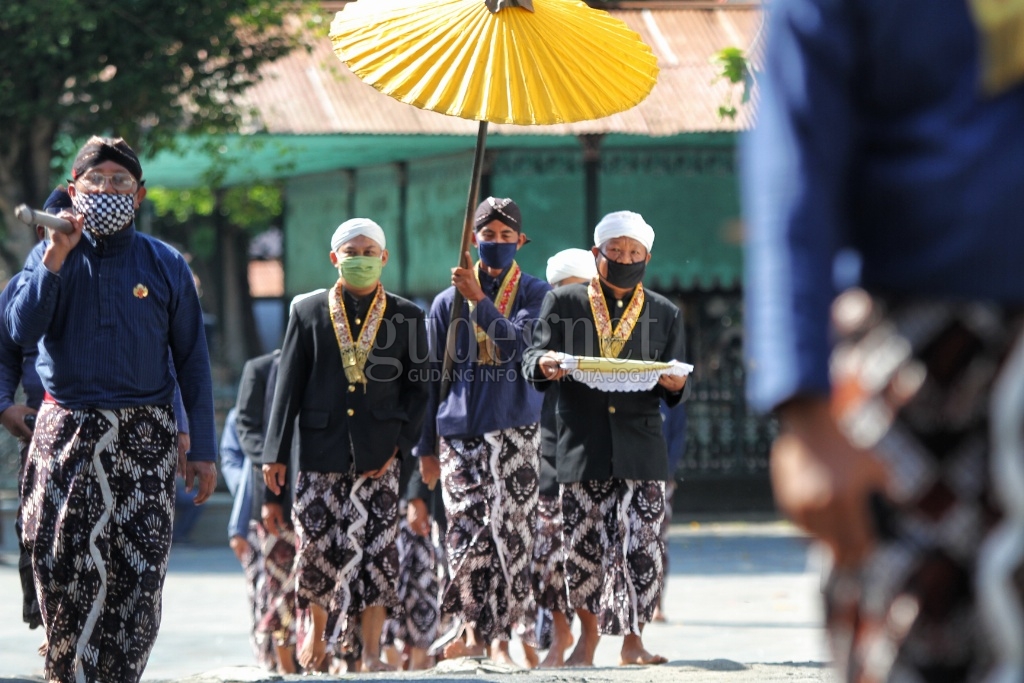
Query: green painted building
{"points": [[342, 149]]}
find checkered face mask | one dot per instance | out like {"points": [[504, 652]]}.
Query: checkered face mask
{"points": [[105, 214]]}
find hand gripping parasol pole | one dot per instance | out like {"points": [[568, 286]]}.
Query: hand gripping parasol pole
{"points": [[467, 232]]}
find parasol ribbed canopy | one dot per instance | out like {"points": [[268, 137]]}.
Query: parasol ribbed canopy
{"points": [[563, 62]]}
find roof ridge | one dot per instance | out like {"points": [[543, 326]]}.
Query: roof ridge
{"points": [[674, 4]]}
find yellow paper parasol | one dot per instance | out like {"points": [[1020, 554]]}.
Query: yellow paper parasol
{"points": [[524, 62], [560, 63]]}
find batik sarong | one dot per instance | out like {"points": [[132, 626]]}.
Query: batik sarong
{"points": [[548, 576], [277, 623], [30, 613], [926, 386], [419, 589], [347, 558], [258, 599], [490, 486], [98, 522], [666, 526], [614, 554]]}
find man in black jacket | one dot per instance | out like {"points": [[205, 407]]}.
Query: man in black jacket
{"points": [[611, 456], [354, 372], [268, 549]]}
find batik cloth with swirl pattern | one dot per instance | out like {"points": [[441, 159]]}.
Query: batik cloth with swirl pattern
{"points": [[614, 554], [347, 559], [97, 521], [490, 486], [932, 388]]}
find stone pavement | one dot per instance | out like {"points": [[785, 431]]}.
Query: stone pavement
{"points": [[742, 601]]}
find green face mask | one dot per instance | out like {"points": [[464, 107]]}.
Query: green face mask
{"points": [[360, 271]]}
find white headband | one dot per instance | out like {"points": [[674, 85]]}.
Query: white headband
{"points": [[624, 224], [354, 227], [571, 263]]}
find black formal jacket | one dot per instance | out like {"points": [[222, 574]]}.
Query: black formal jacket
{"points": [[255, 396], [338, 421], [605, 435], [253, 403], [549, 442]]}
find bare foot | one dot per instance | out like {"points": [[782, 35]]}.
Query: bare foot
{"points": [[459, 648], [556, 655], [419, 659], [285, 655], [338, 666], [633, 653], [532, 660], [312, 653], [393, 657], [582, 654], [562, 639], [659, 616], [500, 654], [372, 664]]}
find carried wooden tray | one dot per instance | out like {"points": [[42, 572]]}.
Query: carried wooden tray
{"points": [[621, 374], [600, 364]]}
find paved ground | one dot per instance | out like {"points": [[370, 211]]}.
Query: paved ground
{"points": [[742, 601]]}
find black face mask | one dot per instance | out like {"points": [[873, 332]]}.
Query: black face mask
{"points": [[624, 275]]}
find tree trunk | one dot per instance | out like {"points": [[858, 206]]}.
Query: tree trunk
{"points": [[25, 178], [238, 335]]}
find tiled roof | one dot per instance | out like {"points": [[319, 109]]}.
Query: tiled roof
{"points": [[315, 93]]}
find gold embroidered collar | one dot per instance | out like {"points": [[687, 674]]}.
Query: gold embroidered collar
{"points": [[612, 340], [354, 352], [487, 351]]}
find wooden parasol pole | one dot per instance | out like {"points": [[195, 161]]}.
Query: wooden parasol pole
{"points": [[467, 233]]}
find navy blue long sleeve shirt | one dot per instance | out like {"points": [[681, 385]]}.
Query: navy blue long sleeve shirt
{"points": [[482, 398], [872, 135], [17, 363], [109, 324]]}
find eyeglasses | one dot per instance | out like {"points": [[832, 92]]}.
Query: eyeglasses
{"points": [[97, 182]]}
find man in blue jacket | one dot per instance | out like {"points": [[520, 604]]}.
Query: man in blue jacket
{"points": [[482, 440], [111, 310]]}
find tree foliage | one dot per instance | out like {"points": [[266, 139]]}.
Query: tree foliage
{"points": [[147, 70], [734, 67], [250, 208]]}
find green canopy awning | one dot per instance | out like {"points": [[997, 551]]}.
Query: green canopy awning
{"points": [[239, 159]]}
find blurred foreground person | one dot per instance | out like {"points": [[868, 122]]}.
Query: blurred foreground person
{"points": [[113, 311], [890, 133]]}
